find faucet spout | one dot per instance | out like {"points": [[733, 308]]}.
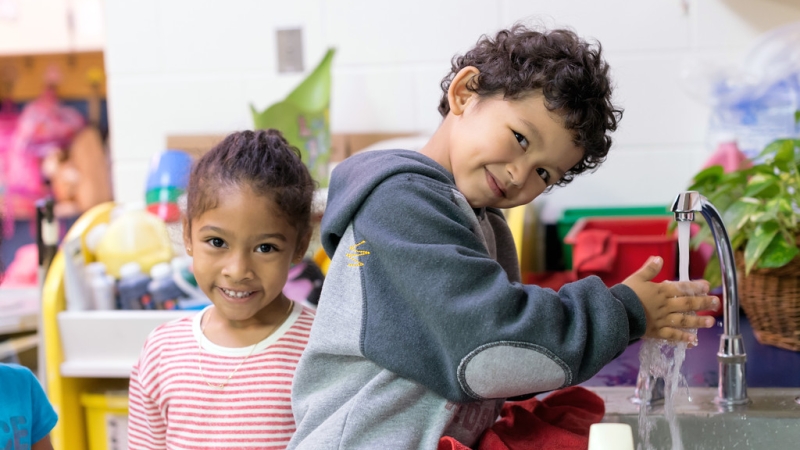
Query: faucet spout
{"points": [[731, 356]]}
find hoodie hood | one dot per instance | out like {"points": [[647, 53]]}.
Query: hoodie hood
{"points": [[351, 184]]}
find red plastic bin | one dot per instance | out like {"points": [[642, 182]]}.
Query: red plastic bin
{"points": [[637, 238]]}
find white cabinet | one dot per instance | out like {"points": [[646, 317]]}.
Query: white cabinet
{"points": [[51, 26], [106, 344]]}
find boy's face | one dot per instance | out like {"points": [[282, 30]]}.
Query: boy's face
{"points": [[504, 153]]}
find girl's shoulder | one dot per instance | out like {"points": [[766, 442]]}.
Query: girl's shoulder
{"points": [[172, 332], [176, 325]]}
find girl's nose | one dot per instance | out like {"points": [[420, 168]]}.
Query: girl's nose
{"points": [[237, 268]]}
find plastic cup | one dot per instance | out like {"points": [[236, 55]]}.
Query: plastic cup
{"points": [[163, 195], [168, 212], [610, 436], [169, 168]]}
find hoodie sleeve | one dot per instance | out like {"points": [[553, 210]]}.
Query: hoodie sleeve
{"points": [[440, 311]]}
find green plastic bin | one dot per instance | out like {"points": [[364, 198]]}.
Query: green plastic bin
{"points": [[570, 216]]}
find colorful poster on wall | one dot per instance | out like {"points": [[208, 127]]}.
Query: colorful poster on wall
{"points": [[303, 118]]}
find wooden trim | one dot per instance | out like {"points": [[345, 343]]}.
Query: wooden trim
{"points": [[342, 144]]}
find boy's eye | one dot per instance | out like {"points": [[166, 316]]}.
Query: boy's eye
{"points": [[544, 174], [265, 248], [521, 139], [216, 242]]}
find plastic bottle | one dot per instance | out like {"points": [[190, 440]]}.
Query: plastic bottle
{"points": [[184, 278], [101, 287], [133, 287], [164, 293], [91, 272]]}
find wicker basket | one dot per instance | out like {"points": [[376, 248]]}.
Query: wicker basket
{"points": [[771, 300]]}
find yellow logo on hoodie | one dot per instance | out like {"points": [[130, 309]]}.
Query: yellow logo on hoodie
{"points": [[354, 256]]}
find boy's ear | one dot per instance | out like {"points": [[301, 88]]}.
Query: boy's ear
{"points": [[457, 94], [187, 236]]}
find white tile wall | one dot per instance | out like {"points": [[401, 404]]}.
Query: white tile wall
{"points": [[401, 32], [132, 40], [629, 176], [735, 24], [658, 110], [621, 25], [353, 108], [189, 66]]}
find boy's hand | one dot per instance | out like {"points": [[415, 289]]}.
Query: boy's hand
{"points": [[666, 303]]}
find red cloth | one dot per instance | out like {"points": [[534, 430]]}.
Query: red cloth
{"points": [[560, 421], [594, 251], [552, 280]]}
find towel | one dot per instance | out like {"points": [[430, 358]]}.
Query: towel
{"points": [[559, 421], [594, 251]]}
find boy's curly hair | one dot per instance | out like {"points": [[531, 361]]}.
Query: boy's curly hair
{"points": [[569, 71]]}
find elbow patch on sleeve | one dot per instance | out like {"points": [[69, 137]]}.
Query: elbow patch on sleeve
{"points": [[509, 369]]}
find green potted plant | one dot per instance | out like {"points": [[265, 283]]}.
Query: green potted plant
{"points": [[759, 205]]}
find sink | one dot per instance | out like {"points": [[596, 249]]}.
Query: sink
{"points": [[770, 421]]}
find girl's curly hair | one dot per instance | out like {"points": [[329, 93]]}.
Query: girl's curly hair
{"points": [[262, 160], [569, 71]]}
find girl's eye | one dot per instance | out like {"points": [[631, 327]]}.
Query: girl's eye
{"points": [[521, 139], [544, 174], [216, 242], [265, 248]]}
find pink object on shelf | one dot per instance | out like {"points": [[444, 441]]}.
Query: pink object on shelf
{"points": [[24, 269], [729, 157]]}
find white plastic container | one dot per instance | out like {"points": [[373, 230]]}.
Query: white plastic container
{"points": [[610, 436]]}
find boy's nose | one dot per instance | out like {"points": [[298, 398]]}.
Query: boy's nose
{"points": [[517, 173]]}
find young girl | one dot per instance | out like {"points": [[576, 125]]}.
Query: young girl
{"points": [[223, 377]]}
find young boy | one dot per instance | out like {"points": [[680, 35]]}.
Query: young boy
{"points": [[423, 328]]}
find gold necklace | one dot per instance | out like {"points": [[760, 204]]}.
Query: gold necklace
{"points": [[200, 350]]}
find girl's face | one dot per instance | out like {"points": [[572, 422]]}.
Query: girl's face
{"points": [[242, 252]]}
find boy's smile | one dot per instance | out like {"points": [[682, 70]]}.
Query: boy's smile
{"points": [[502, 153]]}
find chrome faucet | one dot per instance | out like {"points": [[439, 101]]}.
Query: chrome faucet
{"points": [[731, 356]]}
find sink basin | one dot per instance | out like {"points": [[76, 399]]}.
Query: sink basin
{"points": [[770, 421]]}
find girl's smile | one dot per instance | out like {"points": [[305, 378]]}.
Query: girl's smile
{"points": [[243, 249], [237, 296]]}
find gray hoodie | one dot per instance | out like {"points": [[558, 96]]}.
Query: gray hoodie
{"points": [[423, 328]]}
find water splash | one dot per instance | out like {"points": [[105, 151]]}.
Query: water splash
{"points": [[661, 359]]}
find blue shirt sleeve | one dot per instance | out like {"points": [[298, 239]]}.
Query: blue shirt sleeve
{"points": [[26, 415], [44, 416]]}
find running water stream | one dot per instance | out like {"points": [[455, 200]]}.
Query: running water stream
{"points": [[661, 359]]}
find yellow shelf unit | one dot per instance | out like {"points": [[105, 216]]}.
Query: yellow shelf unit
{"points": [[64, 392]]}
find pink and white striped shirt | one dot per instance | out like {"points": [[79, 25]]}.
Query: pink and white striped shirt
{"points": [[172, 406]]}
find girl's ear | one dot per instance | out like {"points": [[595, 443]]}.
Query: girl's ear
{"points": [[302, 246], [457, 94], [187, 236]]}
